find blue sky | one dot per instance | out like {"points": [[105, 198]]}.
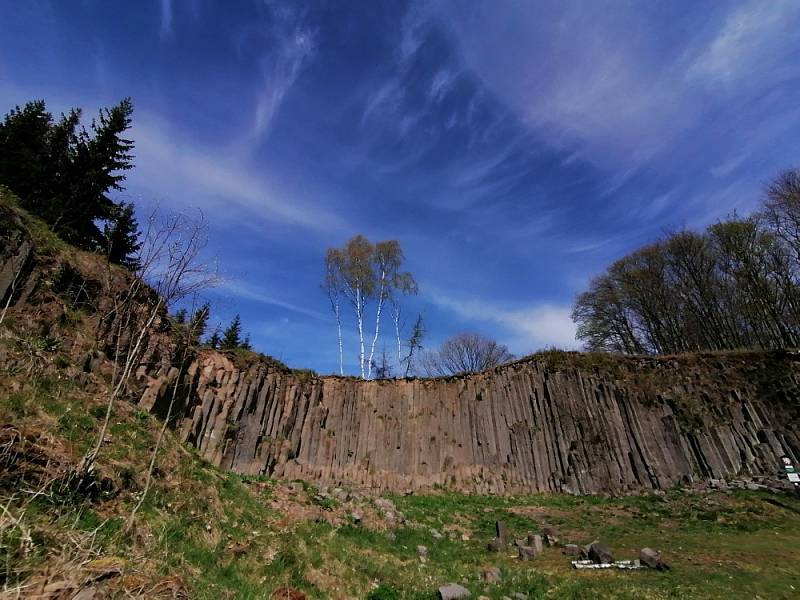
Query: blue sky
{"points": [[514, 148]]}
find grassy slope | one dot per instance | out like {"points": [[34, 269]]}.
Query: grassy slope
{"points": [[217, 535]]}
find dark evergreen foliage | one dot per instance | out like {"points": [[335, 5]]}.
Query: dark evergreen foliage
{"points": [[63, 174], [232, 336], [122, 237], [215, 340], [199, 321]]}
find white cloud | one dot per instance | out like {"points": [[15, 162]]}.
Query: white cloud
{"points": [[295, 46], [754, 34], [182, 172], [242, 290], [530, 328], [166, 18]]}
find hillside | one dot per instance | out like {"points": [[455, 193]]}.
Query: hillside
{"points": [[269, 483]]}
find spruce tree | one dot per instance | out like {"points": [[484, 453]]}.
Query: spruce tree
{"points": [[199, 321], [215, 340], [231, 337], [122, 237], [180, 316], [246, 345]]}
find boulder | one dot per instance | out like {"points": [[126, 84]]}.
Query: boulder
{"points": [[500, 530], [571, 550], [422, 551], [550, 535], [527, 553], [496, 545], [355, 518], [535, 541], [453, 591], [599, 553], [491, 574], [652, 559]]}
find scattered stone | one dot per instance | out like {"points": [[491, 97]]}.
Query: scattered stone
{"points": [[550, 535], [600, 554], [385, 505], [465, 537], [436, 535], [491, 574], [495, 545], [356, 518], [500, 530], [520, 542], [520, 596], [535, 541], [87, 593], [652, 559], [453, 591], [527, 553], [571, 550], [422, 551]]}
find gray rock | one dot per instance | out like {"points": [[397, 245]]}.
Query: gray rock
{"points": [[652, 559], [491, 574], [453, 591], [520, 542], [600, 554], [549, 535], [422, 551], [385, 504], [356, 518], [436, 535], [496, 545], [501, 531], [527, 552], [520, 596], [535, 541], [571, 550]]}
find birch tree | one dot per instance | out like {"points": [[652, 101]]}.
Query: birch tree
{"points": [[333, 289]]}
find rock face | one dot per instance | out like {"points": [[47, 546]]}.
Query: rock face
{"points": [[579, 424]]}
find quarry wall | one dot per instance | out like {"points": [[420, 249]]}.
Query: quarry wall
{"points": [[559, 422]]}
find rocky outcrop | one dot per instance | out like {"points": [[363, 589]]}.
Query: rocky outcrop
{"points": [[560, 422]]}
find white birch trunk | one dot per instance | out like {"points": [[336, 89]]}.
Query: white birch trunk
{"points": [[360, 319], [377, 323], [339, 333]]}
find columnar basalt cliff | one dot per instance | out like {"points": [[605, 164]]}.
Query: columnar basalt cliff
{"points": [[553, 422], [557, 422]]}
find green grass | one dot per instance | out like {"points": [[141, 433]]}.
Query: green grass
{"points": [[224, 535]]}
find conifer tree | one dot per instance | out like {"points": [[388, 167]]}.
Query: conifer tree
{"points": [[215, 340], [231, 337], [122, 237], [180, 316], [246, 345], [199, 321]]}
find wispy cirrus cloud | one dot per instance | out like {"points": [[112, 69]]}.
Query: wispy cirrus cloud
{"points": [[753, 38], [181, 171], [166, 18], [527, 328], [292, 44], [243, 290]]}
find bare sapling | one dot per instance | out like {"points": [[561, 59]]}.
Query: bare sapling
{"points": [[171, 264], [192, 338]]}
